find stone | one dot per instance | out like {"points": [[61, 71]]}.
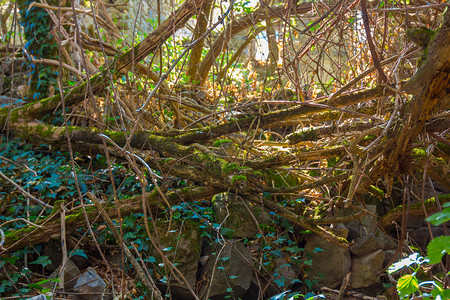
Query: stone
{"points": [[364, 226], [71, 274], [354, 230], [369, 222], [328, 262], [90, 286], [228, 272], [366, 244], [233, 214], [80, 261], [53, 250], [285, 271], [182, 246], [414, 222], [421, 236], [388, 257], [365, 270], [388, 242]]}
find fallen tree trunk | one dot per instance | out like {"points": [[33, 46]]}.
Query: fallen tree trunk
{"points": [[50, 227]]}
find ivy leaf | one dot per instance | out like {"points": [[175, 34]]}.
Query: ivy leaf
{"points": [[317, 250], [79, 252], [150, 259], [293, 249], [42, 260], [227, 232], [407, 285], [129, 235], [437, 248]]}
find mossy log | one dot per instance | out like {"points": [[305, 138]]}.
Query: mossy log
{"points": [[50, 227], [273, 119], [414, 210]]}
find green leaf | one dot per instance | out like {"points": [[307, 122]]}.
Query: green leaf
{"points": [[42, 260], [79, 252], [227, 232], [177, 214], [407, 285], [437, 247], [317, 250], [293, 249], [440, 217]]}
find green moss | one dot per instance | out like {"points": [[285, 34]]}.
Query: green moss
{"points": [[117, 136], [230, 167], [430, 202], [419, 153], [218, 143], [278, 178], [45, 130], [238, 177], [306, 135], [369, 137], [421, 36], [375, 191], [73, 218], [15, 235]]}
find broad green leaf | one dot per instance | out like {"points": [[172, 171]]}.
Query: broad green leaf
{"points": [[407, 285], [440, 217], [437, 248]]}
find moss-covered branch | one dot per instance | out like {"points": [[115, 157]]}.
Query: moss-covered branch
{"points": [[51, 226], [273, 119], [414, 210], [313, 134]]}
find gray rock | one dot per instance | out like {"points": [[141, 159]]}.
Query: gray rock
{"points": [[354, 230], [232, 213], [285, 271], [53, 250], [229, 268], [368, 222], [328, 262], [366, 244], [71, 274], [388, 242], [90, 286], [364, 226], [421, 236], [80, 261], [414, 222], [182, 246], [365, 269], [388, 257]]}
